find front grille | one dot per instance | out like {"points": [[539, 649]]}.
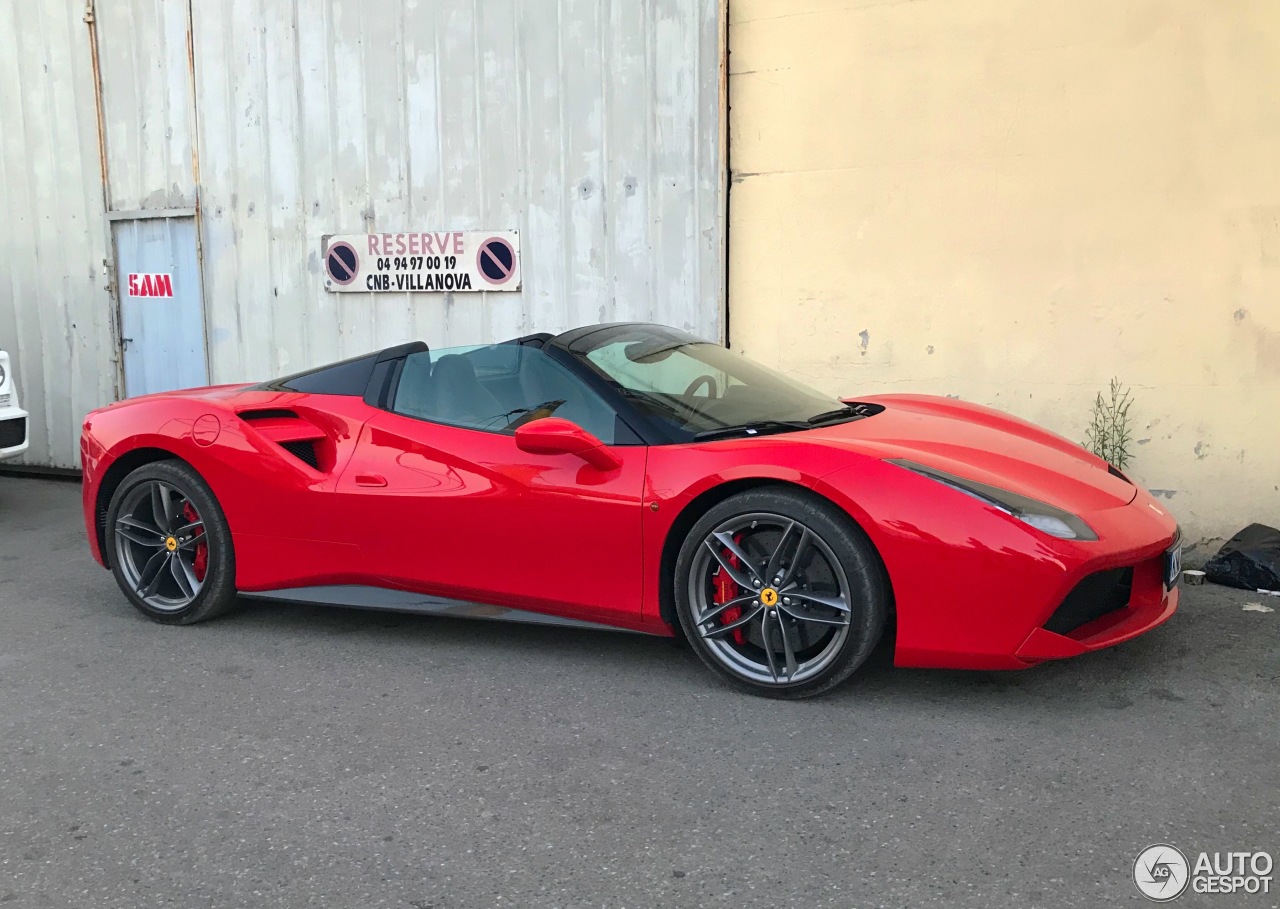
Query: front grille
{"points": [[1095, 596], [304, 451], [13, 432]]}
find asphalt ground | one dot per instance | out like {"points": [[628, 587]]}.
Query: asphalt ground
{"points": [[299, 756]]}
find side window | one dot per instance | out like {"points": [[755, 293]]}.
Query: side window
{"points": [[498, 388]]}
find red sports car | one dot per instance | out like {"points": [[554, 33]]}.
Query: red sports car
{"points": [[635, 477]]}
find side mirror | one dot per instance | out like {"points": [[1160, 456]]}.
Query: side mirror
{"points": [[556, 435]]}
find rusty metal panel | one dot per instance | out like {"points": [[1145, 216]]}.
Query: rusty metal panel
{"points": [[592, 127], [55, 313], [146, 93]]}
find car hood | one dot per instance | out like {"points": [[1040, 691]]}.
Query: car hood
{"points": [[979, 443]]}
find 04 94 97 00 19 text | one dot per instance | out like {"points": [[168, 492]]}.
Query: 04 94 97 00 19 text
{"points": [[423, 262], [420, 273]]}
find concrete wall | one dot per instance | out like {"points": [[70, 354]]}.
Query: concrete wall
{"points": [[1015, 200]]}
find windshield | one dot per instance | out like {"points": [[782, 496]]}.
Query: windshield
{"points": [[701, 390]]}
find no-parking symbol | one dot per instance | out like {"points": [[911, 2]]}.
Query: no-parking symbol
{"points": [[342, 263], [496, 260]]}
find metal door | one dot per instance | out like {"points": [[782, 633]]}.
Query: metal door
{"points": [[161, 304]]}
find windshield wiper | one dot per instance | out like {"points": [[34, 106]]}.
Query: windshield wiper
{"points": [[754, 428], [827, 416]]}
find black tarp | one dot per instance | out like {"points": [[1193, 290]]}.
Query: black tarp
{"points": [[1250, 559]]}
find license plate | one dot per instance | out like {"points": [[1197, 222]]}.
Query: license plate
{"points": [[1173, 565]]}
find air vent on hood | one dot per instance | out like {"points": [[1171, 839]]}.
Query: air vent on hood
{"points": [[1115, 473]]}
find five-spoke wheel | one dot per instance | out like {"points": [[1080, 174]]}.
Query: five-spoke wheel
{"points": [[169, 545], [160, 546], [780, 593]]}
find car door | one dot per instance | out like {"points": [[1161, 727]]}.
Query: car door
{"points": [[446, 503]]}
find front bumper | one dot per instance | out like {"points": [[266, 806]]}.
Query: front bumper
{"points": [[13, 432], [1138, 598], [992, 598]]}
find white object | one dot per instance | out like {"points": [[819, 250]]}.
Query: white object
{"points": [[1270, 593], [1257, 607], [1192, 577], [423, 261], [13, 419]]}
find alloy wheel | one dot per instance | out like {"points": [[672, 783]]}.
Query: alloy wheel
{"points": [[160, 546], [770, 599]]}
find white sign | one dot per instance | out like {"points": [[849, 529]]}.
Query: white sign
{"points": [[455, 261]]}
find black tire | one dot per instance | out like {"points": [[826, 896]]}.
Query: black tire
{"points": [[215, 592], [744, 652]]}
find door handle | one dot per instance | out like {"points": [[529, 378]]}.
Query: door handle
{"points": [[370, 479]]}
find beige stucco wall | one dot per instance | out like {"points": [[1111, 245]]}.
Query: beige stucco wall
{"points": [[1014, 200]]}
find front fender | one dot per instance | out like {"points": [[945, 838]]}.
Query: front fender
{"points": [[679, 475], [968, 580]]}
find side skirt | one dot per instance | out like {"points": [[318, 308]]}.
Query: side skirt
{"points": [[361, 597]]}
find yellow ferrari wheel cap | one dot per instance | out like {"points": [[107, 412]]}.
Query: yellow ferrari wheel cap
{"points": [[171, 544], [769, 596]]}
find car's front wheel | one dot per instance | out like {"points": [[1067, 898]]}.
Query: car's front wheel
{"points": [[780, 592], [170, 546]]}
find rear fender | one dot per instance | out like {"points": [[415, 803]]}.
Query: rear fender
{"points": [[273, 500]]}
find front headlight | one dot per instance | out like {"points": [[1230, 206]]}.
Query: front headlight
{"points": [[1045, 518]]}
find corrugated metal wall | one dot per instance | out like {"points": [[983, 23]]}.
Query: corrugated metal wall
{"points": [[146, 94], [55, 313], [591, 126]]}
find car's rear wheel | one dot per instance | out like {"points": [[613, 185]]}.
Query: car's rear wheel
{"points": [[780, 592], [170, 545]]}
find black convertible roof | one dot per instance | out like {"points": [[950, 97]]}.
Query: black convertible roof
{"points": [[346, 377], [587, 338], [352, 377]]}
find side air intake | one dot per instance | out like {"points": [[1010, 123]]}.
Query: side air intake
{"points": [[295, 434], [268, 413], [304, 450]]}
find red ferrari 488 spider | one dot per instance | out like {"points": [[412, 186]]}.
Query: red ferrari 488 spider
{"points": [[635, 477]]}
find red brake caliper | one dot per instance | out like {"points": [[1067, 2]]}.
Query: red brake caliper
{"points": [[726, 590], [200, 564]]}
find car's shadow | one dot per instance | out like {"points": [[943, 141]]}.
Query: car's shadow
{"points": [[448, 635], [1113, 679], [1108, 680]]}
